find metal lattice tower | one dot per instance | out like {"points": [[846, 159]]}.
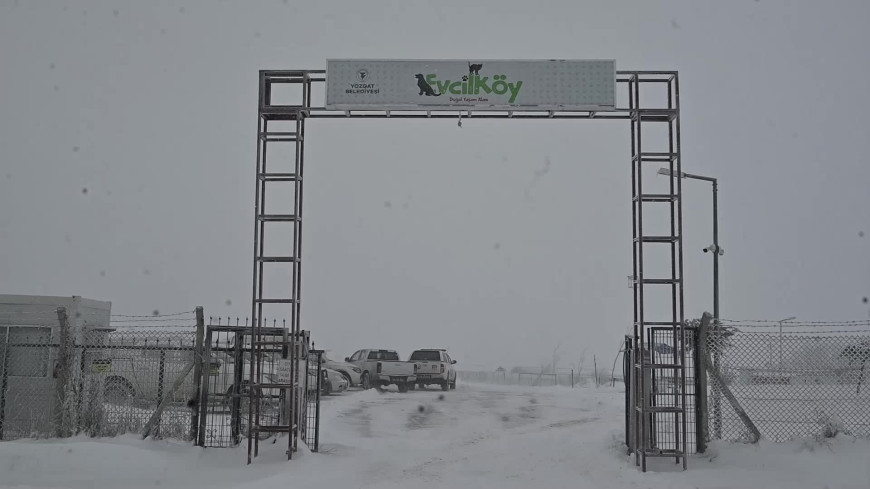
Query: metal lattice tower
{"points": [[283, 302], [658, 384], [658, 422]]}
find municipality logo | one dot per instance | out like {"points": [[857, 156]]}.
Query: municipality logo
{"points": [[363, 85], [471, 84]]}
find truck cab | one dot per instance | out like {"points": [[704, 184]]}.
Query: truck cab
{"points": [[381, 368], [434, 366]]}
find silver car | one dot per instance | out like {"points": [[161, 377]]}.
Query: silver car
{"points": [[334, 382], [351, 372]]}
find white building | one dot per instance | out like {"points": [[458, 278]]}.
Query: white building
{"points": [[30, 399]]}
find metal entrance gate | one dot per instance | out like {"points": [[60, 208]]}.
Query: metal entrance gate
{"points": [[226, 395], [314, 388], [650, 103], [661, 390]]}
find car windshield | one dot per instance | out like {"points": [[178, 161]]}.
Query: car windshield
{"points": [[383, 355], [389, 355], [427, 355]]}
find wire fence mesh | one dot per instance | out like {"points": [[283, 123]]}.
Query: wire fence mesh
{"points": [[792, 379], [532, 376], [60, 376], [137, 371], [664, 389], [224, 388], [225, 399], [317, 383], [164, 376]]}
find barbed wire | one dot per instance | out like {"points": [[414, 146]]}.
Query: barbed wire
{"points": [[155, 327], [8, 312], [791, 324], [53, 312], [221, 320], [159, 320], [153, 315], [816, 332]]}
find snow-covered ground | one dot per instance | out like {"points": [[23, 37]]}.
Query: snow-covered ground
{"points": [[478, 436]]}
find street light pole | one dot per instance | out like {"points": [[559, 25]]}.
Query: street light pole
{"points": [[714, 248], [717, 251]]}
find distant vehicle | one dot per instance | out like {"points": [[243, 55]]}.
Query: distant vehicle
{"points": [[351, 372], [135, 374], [333, 382], [129, 374], [434, 366], [381, 368]]}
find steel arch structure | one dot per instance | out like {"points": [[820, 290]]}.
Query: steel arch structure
{"points": [[282, 122]]}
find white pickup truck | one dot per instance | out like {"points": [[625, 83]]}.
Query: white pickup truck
{"points": [[434, 366], [381, 368]]}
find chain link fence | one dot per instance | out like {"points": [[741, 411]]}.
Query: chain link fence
{"points": [[163, 376], [60, 377], [662, 389], [224, 401], [315, 385], [225, 414], [788, 380], [532, 376]]}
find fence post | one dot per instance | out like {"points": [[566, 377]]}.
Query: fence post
{"points": [[305, 397], [161, 378], [62, 376], [715, 358], [154, 420], [628, 359], [236, 405], [317, 406], [205, 357], [288, 413], [702, 413], [197, 374], [729, 396], [81, 382], [595, 365], [4, 368]]}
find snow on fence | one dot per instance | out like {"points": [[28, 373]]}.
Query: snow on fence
{"points": [[793, 380], [135, 376]]}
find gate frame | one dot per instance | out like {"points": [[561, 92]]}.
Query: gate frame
{"points": [[240, 351], [638, 116]]}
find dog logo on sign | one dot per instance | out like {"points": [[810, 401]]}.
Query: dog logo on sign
{"points": [[362, 75]]}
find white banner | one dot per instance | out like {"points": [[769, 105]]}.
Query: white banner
{"points": [[284, 371], [471, 84]]}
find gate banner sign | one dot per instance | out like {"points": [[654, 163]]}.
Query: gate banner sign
{"points": [[358, 84]]}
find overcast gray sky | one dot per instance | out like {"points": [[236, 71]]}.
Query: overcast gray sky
{"points": [[127, 151]]}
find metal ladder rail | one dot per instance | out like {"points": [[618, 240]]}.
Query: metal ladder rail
{"points": [[645, 370], [289, 412]]}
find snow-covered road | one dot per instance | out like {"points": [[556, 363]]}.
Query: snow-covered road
{"points": [[478, 436]]}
